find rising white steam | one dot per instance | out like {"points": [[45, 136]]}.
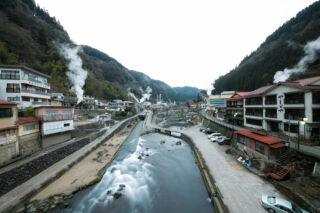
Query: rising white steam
{"points": [[132, 95], [311, 50], [76, 74], [146, 96]]}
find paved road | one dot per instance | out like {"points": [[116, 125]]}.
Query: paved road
{"points": [[19, 193], [240, 188]]}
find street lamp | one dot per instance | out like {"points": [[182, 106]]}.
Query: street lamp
{"points": [[234, 115], [302, 122]]}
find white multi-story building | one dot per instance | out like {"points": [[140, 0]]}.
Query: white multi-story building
{"points": [[292, 108], [24, 86]]}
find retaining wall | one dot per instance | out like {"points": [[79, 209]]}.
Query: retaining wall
{"points": [[29, 144], [7, 152]]}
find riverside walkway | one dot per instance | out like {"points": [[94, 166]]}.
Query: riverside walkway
{"points": [[241, 190], [20, 193]]}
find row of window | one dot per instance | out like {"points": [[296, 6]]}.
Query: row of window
{"points": [[5, 113], [30, 127], [10, 75], [258, 147], [54, 114]]}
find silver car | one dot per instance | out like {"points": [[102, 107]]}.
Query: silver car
{"points": [[279, 205]]}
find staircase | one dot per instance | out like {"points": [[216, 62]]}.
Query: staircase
{"points": [[285, 157], [281, 172]]}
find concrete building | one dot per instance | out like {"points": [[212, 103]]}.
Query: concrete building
{"points": [[9, 146], [292, 108], [28, 132], [24, 86], [234, 109], [56, 124], [258, 145], [217, 104]]}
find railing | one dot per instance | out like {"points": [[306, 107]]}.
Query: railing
{"points": [[271, 115], [270, 102], [35, 81], [40, 103], [58, 117], [35, 92]]}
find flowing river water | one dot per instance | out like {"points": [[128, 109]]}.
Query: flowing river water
{"points": [[152, 177]]}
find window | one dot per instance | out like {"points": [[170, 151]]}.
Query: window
{"points": [[10, 75], [13, 99], [66, 114], [254, 122], [242, 140], [25, 99], [13, 88], [271, 113], [270, 100], [316, 115], [316, 97], [66, 124], [259, 148], [294, 114], [293, 128], [30, 127], [52, 115], [5, 113], [294, 98], [254, 112]]}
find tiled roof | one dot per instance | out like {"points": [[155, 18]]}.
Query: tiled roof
{"points": [[307, 81], [9, 127], [23, 120], [242, 93], [7, 102], [260, 90], [259, 137]]}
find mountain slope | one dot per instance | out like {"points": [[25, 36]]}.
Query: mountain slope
{"points": [[30, 36], [283, 48]]}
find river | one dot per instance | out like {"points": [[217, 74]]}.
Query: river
{"points": [[153, 175]]}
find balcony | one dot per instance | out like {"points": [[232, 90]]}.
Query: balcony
{"points": [[59, 117], [44, 103], [35, 93], [28, 80]]}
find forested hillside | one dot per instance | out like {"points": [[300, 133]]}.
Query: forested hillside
{"points": [[283, 48], [30, 36]]}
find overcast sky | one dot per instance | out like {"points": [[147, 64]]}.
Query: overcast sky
{"points": [[181, 42]]}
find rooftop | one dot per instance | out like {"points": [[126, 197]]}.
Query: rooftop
{"points": [[3, 102], [260, 136], [23, 120]]}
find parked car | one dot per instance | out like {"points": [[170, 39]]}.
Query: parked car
{"points": [[279, 205], [202, 129], [208, 131], [215, 138], [222, 141], [214, 134]]}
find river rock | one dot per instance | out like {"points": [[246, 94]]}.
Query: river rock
{"points": [[109, 192], [178, 143], [162, 141], [139, 157], [117, 195]]}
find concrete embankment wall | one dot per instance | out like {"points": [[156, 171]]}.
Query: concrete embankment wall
{"points": [[47, 168]]}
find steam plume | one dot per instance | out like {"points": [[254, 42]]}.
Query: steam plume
{"points": [[76, 74], [132, 95], [146, 95], [311, 55]]}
